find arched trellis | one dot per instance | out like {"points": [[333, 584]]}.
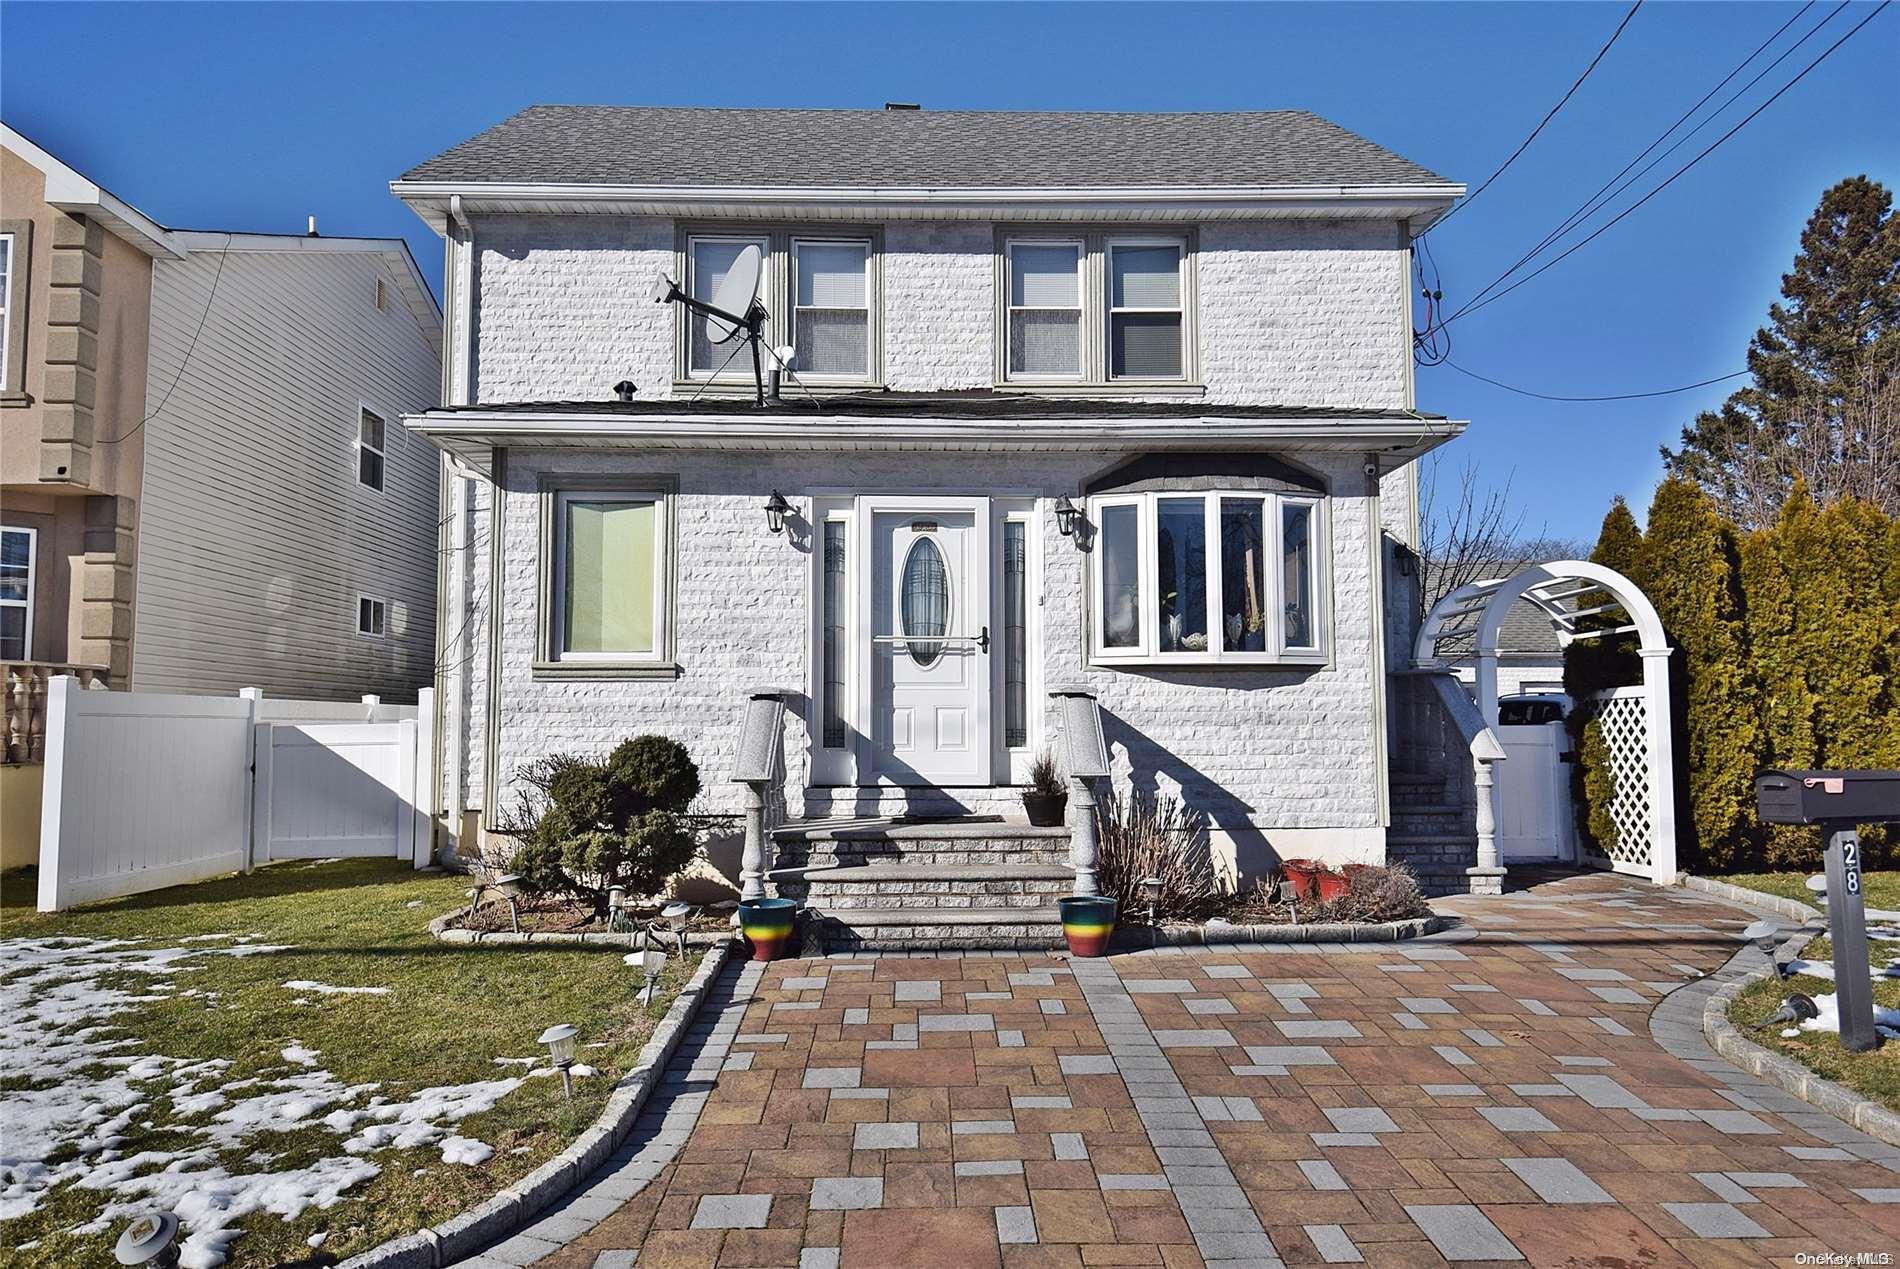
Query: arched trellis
{"points": [[1463, 627]]}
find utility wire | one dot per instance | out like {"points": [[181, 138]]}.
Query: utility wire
{"points": [[1525, 144], [190, 349], [1605, 193], [1679, 172], [1619, 396]]}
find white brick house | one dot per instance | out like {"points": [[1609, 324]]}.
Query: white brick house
{"points": [[1193, 329]]}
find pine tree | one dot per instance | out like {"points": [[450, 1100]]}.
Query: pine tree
{"points": [[1691, 576], [1825, 400]]}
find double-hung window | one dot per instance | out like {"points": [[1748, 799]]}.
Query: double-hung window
{"points": [[17, 550], [1208, 577], [1045, 310], [708, 260], [831, 308], [605, 572], [1092, 309], [370, 457]]}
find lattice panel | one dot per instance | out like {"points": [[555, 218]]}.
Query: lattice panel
{"points": [[1625, 723]]}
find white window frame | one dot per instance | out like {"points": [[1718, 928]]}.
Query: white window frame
{"points": [[378, 608], [32, 568], [382, 452], [1147, 650], [1010, 307], [1110, 310], [870, 307], [741, 365], [1017, 759], [658, 654], [6, 308]]}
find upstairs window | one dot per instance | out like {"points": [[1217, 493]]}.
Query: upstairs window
{"points": [[1094, 310], [1211, 577], [372, 616], [6, 308], [370, 458], [831, 312], [708, 261], [1045, 310]]}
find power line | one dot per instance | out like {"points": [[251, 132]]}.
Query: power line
{"points": [[1605, 193], [1619, 396], [190, 349], [1525, 144], [1679, 172]]}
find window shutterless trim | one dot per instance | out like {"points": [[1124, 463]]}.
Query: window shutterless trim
{"points": [[1010, 307], [378, 612], [32, 568], [549, 660], [1148, 614], [778, 290], [13, 334], [870, 308], [1110, 310], [381, 451], [687, 268], [1095, 378]]}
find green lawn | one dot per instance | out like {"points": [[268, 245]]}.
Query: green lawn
{"points": [[449, 1013], [1875, 1074], [1880, 889]]}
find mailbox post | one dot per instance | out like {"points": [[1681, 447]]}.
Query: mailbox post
{"points": [[1836, 801]]}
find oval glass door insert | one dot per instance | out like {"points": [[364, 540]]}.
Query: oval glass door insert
{"points": [[924, 602]]}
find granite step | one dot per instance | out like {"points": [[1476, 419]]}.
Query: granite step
{"points": [[926, 929], [988, 841], [833, 887]]}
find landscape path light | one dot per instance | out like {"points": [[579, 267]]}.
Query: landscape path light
{"points": [[1151, 891], [560, 1039], [148, 1240], [650, 961], [512, 886], [676, 916]]}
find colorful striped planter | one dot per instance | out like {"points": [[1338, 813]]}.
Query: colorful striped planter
{"points": [[767, 926], [1087, 923]]}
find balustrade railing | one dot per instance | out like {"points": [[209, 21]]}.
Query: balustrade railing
{"points": [[27, 685], [760, 767], [1085, 757]]}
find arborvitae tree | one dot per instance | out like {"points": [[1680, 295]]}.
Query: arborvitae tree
{"points": [[1825, 401], [1591, 665], [1690, 575], [1785, 707]]}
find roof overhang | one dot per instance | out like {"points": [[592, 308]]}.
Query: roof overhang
{"points": [[1419, 204], [471, 436], [70, 191]]}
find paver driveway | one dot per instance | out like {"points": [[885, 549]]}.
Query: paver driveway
{"points": [[1495, 1098]]}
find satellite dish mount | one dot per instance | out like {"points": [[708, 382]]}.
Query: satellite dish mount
{"points": [[734, 310]]}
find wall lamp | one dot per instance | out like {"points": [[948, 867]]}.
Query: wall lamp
{"points": [[1067, 513], [775, 509]]}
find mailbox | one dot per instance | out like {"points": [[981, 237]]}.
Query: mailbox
{"points": [[1828, 797]]}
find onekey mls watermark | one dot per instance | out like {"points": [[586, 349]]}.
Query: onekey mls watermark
{"points": [[1844, 1259]]}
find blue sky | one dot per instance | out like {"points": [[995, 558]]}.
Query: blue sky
{"points": [[254, 116]]}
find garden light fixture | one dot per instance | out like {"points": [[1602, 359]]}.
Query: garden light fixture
{"points": [[1151, 891], [1066, 515], [1796, 1010], [651, 962], [1762, 935], [675, 917], [560, 1041], [775, 509], [148, 1241], [512, 887]]}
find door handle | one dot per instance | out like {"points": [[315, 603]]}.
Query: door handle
{"points": [[983, 640]]}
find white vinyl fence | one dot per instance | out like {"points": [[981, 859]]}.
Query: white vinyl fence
{"points": [[144, 791]]}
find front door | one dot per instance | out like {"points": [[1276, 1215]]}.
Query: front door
{"points": [[930, 647]]}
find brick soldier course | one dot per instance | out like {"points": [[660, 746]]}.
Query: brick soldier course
{"points": [[1504, 1096]]}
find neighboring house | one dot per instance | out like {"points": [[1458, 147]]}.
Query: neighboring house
{"points": [[203, 485], [1530, 655], [1194, 329]]}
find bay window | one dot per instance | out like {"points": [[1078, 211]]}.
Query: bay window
{"points": [[1207, 577]]}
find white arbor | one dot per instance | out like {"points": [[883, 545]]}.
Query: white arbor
{"points": [[1463, 627]]}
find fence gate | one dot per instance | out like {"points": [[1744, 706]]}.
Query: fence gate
{"points": [[1622, 713], [333, 790], [1533, 794]]}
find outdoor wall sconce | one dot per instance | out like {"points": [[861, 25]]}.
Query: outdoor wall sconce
{"points": [[1407, 558], [1067, 513], [775, 509]]}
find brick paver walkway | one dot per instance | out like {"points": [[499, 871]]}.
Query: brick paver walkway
{"points": [[1495, 1098]]}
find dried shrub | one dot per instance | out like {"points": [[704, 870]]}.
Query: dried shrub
{"points": [[1376, 895], [1146, 835]]}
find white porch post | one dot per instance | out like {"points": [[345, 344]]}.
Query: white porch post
{"points": [[1487, 876], [752, 859], [1084, 846], [1662, 764]]}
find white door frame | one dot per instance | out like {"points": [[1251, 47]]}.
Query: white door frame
{"points": [[979, 587]]}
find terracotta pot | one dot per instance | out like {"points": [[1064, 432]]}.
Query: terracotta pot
{"points": [[767, 926], [1087, 923], [1331, 885], [1303, 875], [1046, 810]]}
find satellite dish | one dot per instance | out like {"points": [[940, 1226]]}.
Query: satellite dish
{"points": [[735, 293]]}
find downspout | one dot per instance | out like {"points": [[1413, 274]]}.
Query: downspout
{"points": [[1375, 564], [452, 575]]}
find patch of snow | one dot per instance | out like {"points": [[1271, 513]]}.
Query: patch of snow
{"points": [[1789, 1033], [466, 1150], [301, 1056], [413, 903], [326, 989], [1886, 1021], [580, 1070], [520, 1061], [421, 1120], [317, 1239]]}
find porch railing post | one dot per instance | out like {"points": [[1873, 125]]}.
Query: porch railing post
{"points": [[1488, 876], [758, 765], [1085, 847], [1085, 754]]}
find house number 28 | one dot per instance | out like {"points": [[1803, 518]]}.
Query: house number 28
{"points": [[1850, 862]]}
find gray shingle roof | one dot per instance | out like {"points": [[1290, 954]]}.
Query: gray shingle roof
{"points": [[652, 145]]}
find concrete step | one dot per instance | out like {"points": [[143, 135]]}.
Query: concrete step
{"points": [[915, 887], [920, 929], [935, 843]]}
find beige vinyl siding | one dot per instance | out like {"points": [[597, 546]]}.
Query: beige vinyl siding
{"points": [[255, 538]]}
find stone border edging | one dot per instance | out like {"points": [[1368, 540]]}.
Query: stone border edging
{"points": [[1225, 935], [1793, 909], [1790, 1076], [462, 1235], [439, 929]]}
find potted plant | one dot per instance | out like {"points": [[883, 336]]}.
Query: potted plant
{"points": [[1044, 798], [767, 926], [1303, 875], [1088, 921]]}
